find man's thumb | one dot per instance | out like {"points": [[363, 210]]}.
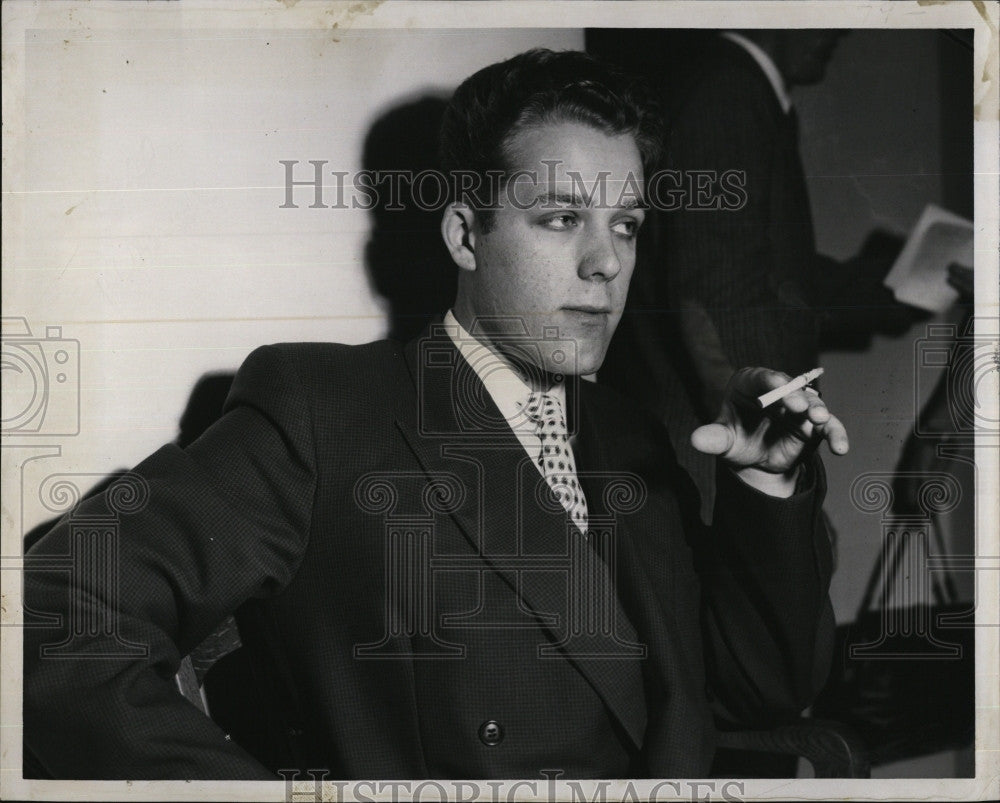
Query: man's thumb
{"points": [[713, 439]]}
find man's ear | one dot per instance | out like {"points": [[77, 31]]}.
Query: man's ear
{"points": [[458, 231]]}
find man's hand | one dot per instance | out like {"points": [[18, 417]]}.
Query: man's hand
{"points": [[765, 447]]}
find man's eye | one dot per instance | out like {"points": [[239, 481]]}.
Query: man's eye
{"points": [[560, 222], [626, 228]]}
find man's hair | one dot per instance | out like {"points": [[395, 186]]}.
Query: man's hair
{"points": [[538, 87]]}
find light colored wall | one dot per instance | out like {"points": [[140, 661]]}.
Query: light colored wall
{"points": [[152, 232]]}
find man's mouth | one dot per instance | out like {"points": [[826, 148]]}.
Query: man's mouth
{"points": [[588, 309]]}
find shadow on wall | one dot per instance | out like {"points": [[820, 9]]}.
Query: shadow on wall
{"points": [[407, 261]]}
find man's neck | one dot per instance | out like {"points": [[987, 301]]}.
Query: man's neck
{"points": [[468, 333], [504, 381]]}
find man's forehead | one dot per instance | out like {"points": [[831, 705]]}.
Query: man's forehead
{"points": [[570, 164], [535, 190], [569, 143]]}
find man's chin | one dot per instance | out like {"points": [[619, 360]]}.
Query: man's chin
{"points": [[567, 351], [584, 364]]}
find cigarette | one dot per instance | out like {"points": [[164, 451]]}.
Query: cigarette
{"points": [[799, 382]]}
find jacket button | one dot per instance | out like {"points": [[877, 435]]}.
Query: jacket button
{"points": [[491, 733]]}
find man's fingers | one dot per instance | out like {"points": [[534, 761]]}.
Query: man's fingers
{"points": [[821, 420], [796, 402], [836, 435], [799, 408], [767, 379], [814, 421], [713, 439], [748, 384], [758, 381], [817, 412]]}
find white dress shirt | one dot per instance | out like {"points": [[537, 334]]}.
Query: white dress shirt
{"points": [[505, 384]]}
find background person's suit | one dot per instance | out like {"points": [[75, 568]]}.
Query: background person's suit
{"points": [[717, 289], [720, 288], [265, 507]]}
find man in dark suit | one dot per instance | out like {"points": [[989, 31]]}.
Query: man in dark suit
{"points": [[732, 276], [451, 558]]}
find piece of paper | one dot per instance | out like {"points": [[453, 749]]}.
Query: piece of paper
{"points": [[920, 275]]}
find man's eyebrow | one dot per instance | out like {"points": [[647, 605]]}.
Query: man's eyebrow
{"points": [[559, 199], [553, 199], [633, 203]]}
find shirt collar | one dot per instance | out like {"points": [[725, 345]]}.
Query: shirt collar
{"points": [[502, 381], [766, 64]]}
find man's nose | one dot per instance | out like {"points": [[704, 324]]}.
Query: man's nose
{"points": [[600, 260]]}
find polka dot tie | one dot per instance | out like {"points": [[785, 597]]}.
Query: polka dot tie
{"points": [[556, 457]]}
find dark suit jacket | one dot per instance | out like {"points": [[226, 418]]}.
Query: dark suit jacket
{"points": [[291, 509]]}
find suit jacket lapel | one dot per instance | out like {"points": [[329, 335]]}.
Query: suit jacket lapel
{"points": [[455, 428]]}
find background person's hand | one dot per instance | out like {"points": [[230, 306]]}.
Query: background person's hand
{"points": [[963, 280], [765, 447]]}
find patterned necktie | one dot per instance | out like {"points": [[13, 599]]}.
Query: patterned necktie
{"points": [[556, 457]]}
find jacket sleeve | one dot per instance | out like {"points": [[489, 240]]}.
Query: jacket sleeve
{"points": [[767, 622], [217, 523]]}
